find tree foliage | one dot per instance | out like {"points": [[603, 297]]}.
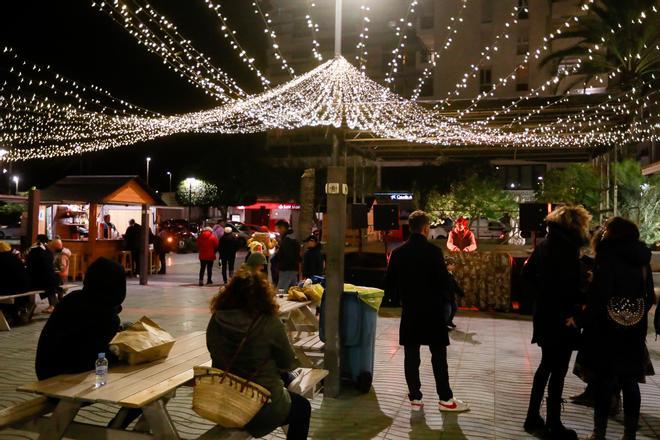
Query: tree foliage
{"points": [[611, 38], [473, 196], [197, 193], [577, 184]]}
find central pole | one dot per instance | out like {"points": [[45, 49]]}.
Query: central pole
{"points": [[338, 27]]}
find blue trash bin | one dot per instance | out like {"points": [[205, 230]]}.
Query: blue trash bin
{"points": [[357, 333]]}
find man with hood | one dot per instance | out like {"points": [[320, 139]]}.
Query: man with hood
{"points": [[313, 261], [229, 245], [83, 323]]}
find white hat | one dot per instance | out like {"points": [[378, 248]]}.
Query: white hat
{"points": [[228, 230]]}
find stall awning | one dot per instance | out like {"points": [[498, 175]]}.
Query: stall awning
{"points": [[126, 190]]}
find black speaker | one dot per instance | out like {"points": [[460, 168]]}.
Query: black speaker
{"points": [[532, 218], [386, 217], [357, 216]]}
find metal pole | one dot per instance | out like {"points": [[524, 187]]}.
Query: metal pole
{"points": [[189, 199], [615, 196], [145, 261], [338, 12], [335, 225], [148, 160]]}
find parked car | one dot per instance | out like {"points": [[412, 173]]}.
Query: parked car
{"points": [[10, 231], [487, 229], [244, 231], [179, 235], [440, 229]]}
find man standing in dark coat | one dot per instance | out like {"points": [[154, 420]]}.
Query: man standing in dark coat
{"points": [[418, 276], [132, 237]]}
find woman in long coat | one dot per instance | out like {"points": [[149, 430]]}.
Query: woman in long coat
{"points": [[553, 276], [616, 323]]}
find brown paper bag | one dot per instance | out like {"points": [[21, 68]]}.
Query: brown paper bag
{"points": [[144, 341]]}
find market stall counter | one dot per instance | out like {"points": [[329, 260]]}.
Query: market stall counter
{"points": [[78, 210]]}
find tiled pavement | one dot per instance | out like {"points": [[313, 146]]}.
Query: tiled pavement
{"points": [[491, 365]]}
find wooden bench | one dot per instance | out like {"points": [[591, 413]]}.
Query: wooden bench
{"points": [[310, 350], [20, 412], [10, 299]]}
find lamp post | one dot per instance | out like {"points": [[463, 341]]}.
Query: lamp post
{"points": [[15, 179], [169, 174], [148, 161]]}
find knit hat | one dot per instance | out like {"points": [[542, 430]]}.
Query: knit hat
{"points": [[256, 259], [228, 230]]}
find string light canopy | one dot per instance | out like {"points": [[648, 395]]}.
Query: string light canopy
{"points": [[43, 114], [334, 94]]}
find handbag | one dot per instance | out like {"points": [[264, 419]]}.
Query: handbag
{"points": [[628, 312], [225, 398]]}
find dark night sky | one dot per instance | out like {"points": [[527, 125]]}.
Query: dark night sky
{"points": [[86, 45]]}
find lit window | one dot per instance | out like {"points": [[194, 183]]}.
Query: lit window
{"points": [[485, 80], [522, 79], [487, 11], [523, 9], [523, 42]]}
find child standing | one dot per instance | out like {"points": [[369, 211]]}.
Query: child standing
{"points": [[454, 292]]}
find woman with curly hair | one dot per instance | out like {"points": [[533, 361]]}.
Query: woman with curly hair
{"points": [[552, 274], [247, 306]]}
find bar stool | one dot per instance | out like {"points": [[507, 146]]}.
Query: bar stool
{"points": [[75, 267], [154, 261], [126, 261]]}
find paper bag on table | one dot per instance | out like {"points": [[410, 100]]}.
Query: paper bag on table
{"points": [[144, 341]]}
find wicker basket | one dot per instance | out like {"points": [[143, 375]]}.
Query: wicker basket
{"points": [[226, 399]]}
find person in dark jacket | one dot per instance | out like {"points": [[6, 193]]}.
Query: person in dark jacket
{"points": [[229, 245], [84, 323], [454, 292], [132, 237], [40, 265], [246, 309], [615, 348], [418, 276], [552, 274], [14, 280], [287, 257], [313, 261]]}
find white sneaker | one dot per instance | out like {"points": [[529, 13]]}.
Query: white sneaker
{"points": [[416, 405], [453, 405]]}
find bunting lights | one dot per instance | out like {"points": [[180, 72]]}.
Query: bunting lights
{"points": [[361, 47], [277, 53]]}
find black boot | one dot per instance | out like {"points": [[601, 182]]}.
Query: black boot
{"points": [[560, 432], [534, 424]]}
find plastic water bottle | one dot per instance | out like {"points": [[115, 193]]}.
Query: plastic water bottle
{"points": [[101, 370]]}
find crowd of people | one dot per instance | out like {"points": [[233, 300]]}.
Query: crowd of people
{"points": [[592, 294]]}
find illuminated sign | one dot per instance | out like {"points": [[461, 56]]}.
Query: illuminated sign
{"points": [[396, 195]]}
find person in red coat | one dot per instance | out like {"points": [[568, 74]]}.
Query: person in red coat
{"points": [[207, 245], [461, 239]]}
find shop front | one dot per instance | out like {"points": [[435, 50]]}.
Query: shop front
{"points": [[266, 213], [91, 213]]}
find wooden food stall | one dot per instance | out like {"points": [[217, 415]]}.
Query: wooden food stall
{"points": [[73, 209]]}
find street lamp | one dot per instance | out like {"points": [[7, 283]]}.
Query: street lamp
{"points": [[148, 161], [15, 179], [169, 174]]}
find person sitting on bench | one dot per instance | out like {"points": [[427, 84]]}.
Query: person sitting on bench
{"points": [[40, 264], [14, 281], [247, 306], [84, 323]]}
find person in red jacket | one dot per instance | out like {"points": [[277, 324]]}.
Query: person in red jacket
{"points": [[461, 239], [207, 245]]}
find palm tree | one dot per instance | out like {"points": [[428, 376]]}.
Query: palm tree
{"points": [[621, 36]]}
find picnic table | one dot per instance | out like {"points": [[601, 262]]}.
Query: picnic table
{"points": [[303, 328], [10, 299], [147, 387]]}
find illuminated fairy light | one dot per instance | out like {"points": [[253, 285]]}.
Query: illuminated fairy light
{"points": [[163, 40], [277, 53], [565, 73], [230, 35], [333, 94], [401, 31], [452, 30], [314, 28], [363, 38]]}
